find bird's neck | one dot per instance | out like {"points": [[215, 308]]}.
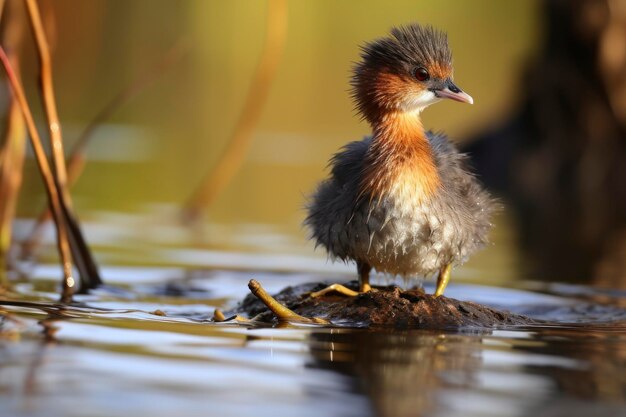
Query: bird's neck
{"points": [[399, 161]]}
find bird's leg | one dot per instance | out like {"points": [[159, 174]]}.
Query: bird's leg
{"points": [[282, 312], [443, 279], [364, 276], [364, 283]]}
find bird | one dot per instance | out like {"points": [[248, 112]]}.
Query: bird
{"points": [[403, 200]]}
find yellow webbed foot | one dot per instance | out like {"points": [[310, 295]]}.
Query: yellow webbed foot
{"points": [[338, 288], [341, 289], [364, 284]]}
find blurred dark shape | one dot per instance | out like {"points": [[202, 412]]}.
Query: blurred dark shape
{"points": [[560, 160]]}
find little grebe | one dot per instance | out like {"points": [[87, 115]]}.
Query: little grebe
{"points": [[402, 200]]}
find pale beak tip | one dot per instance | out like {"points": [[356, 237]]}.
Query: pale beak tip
{"points": [[456, 95]]}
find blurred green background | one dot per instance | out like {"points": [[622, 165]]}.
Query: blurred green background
{"points": [[157, 147], [155, 150]]}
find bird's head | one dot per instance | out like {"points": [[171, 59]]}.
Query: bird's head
{"points": [[405, 72]]}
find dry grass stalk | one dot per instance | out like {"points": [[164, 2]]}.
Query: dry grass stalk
{"points": [[54, 126], [49, 181], [11, 168], [76, 161], [13, 147], [85, 263], [232, 157]]}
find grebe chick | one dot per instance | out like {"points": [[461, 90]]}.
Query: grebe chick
{"points": [[402, 200]]}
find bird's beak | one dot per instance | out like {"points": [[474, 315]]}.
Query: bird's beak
{"points": [[453, 92]]}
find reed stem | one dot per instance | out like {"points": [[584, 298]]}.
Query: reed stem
{"points": [[51, 186]]}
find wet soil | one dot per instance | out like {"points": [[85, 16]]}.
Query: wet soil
{"points": [[383, 307]]}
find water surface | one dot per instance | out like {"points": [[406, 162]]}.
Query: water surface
{"points": [[144, 345]]}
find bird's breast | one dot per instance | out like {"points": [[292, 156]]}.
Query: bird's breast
{"points": [[400, 163], [407, 235], [407, 187]]}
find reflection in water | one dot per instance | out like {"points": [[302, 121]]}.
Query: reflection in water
{"points": [[542, 372], [403, 373], [49, 331], [111, 356], [601, 354]]}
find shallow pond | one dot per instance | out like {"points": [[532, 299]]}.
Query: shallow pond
{"points": [[143, 345]]}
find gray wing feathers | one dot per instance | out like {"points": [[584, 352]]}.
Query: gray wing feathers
{"points": [[332, 205]]}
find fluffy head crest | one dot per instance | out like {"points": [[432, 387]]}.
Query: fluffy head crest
{"points": [[407, 47], [384, 80]]}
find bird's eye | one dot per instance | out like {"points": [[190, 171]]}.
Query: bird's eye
{"points": [[422, 74]]}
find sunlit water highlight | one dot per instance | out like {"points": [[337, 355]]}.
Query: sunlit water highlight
{"points": [[112, 354]]}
